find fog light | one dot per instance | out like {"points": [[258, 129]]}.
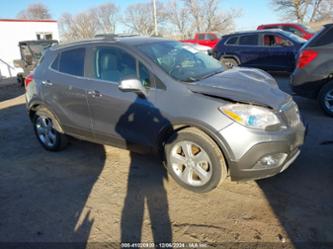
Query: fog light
{"points": [[271, 161]]}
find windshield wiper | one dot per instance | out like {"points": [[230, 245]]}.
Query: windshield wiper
{"points": [[190, 79]]}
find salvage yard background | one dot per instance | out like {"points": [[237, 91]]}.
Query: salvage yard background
{"points": [[95, 193]]}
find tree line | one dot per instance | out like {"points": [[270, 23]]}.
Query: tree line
{"points": [[175, 18]]}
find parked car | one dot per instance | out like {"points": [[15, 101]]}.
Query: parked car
{"points": [[209, 39], [295, 28], [272, 50], [199, 48], [313, 76], [149, 94], [30, 51]]}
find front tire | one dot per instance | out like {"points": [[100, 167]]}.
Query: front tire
{"points": [[48, 137], [325, 98], [194, 160]]}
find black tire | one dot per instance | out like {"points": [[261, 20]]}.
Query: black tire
{"points": [[218, 164], [229, 63], [326, 90], [60, 140]]}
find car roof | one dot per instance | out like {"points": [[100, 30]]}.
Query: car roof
{"points": [[281, 23], [280, 31], [129, 40]]}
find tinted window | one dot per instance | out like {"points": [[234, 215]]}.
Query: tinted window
{"points": [[72, 62], [324, 39], [201, 37], [232, 40], [114, 64], [210, 37], [276, 41], [270, 27], [55, 64], [248, 40], [292, 30]]}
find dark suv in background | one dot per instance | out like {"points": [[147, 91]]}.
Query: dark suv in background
{"points": [[272, 50], [313, 77]]}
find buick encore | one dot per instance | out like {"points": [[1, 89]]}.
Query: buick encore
{"points": [[157, 95]]}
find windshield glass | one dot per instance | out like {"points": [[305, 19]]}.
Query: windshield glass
{"points": [[295, 37], [307, 29], [181, 61]]}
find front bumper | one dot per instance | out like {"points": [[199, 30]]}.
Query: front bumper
{"points": [[247, 147]]}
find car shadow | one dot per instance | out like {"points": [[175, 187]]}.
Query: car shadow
{"points": [[10, 91], [302, 196], [43, 194], [145, 183]]}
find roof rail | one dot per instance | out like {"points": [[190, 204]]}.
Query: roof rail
{"points": [[113, 36]]}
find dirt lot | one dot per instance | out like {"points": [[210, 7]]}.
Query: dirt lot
{"points": [[95, 193]]}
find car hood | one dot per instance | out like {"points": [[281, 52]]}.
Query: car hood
{"points": [[243, 85]]}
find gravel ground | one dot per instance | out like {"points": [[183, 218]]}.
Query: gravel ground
{"points": [[94, 193]]}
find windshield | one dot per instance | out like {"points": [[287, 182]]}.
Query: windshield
{"points": [[307, 29], [181, 61], [295, 37]]}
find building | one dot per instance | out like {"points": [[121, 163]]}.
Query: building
{"points": [[12, 31]]}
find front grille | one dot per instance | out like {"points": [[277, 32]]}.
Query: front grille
{"points": [[291, 114]]}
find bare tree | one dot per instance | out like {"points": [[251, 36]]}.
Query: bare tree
{"points": [[138, 18], [177, 16], [85, 25], [37, 11], [205, 15], [106, 15], [304, 11], [81, 26]]}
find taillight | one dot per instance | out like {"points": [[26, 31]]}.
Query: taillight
{"points": [[306, 57], [28, 80]]}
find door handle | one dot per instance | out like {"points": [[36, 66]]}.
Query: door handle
{"points": [[94, 93], [47, 83]]}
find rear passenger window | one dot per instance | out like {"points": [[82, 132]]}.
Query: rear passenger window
{"points": [[72, 62], [232, 41], [248, 40]]}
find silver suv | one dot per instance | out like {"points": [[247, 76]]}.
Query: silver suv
{"points": [[156, 95]]}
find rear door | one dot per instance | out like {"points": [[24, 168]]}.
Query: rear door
{"points": [[120, 118], [250, 51], [64, 91]]}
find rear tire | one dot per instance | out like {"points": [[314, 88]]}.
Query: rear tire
{"points": [[194, 160], [325, 98], [229, 63], [47, 135]]}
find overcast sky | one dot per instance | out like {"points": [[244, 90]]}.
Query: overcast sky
{"points": [[254, 12]]}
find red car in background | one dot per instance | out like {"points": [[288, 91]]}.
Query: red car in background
{"points": [[209, 39], [295, 28]]}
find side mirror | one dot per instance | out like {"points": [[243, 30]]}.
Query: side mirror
{"points": [[132, 85]]}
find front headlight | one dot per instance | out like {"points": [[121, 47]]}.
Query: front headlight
{"points": [[251, 116]]}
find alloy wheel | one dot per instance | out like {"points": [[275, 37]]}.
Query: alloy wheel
{"points": [[191, 163]]}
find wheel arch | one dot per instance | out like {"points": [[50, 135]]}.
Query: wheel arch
{"points": [[169, 130], [231, 56], [35, 106]]}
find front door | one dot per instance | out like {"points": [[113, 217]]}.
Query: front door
{"points": [[120, 118]]}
